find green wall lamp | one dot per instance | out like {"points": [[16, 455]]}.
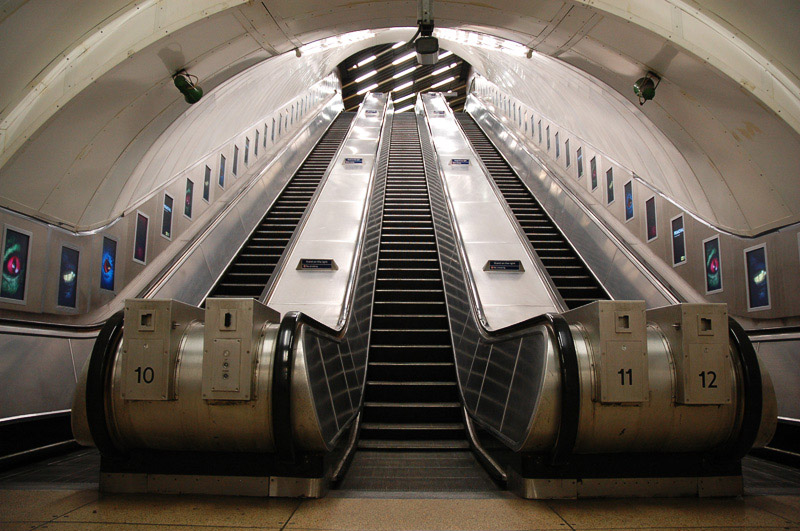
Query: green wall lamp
{"points": [[645, 87], [187, 84]]}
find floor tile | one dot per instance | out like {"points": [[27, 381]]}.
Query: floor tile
{"points": [[785, 506], [41, 505], [665, 513], [85, 526], [20, 526], [350, 513], [193, 510]]}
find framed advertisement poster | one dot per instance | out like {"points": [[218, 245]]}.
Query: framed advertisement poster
{"points": [[713, 265]]}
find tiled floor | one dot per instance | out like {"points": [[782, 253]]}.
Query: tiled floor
{"points": [[63, 497]]}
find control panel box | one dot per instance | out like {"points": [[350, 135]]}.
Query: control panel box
{"points": [[231, 338], [617, 336], [150, 341], [698, 339]]}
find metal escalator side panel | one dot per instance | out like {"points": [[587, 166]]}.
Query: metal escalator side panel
{"points": [[410, 401], [323, 373], [251, 270], [502, 376], [576, 284]]}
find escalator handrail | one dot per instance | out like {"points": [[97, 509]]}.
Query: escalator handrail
{"points": [[564, 345], [739, 446], [552, 290], [280, 266], [671, 294], [291, 323], [101, 362]]}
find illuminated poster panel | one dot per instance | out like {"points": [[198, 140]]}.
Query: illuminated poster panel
{"points": [[187, 203], [579, 160], [140, 239], [166, 217], [15, 264], [593, 171], [628, 200], [108, 264], [610, 186], [650, 215], [207, 184], [678, 241], [713, 262], [755, 260], [68, 277]]}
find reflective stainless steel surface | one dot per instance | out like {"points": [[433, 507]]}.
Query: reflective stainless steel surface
{"points": [[505, 380], [615, 265], [333, 226], [485, 227], [189, 420], [329, 364]]}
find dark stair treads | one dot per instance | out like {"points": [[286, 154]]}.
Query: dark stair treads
{"points": [[573, 280], [251, 269], [411, 399]]}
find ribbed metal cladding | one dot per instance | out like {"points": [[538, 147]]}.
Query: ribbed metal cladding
{"points": [[500, 375], [252, 268], [411, 400], [575, 283], [338, 365]]}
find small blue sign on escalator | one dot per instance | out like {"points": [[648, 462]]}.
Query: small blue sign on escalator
{"points": [[350, 161], [317, 264], [459, 162], [508, 266]]}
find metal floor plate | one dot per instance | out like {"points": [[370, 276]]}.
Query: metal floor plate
{"points": [[410, 471], [373, 473]]}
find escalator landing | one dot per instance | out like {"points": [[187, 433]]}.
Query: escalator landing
{"points": [[407, 471]]}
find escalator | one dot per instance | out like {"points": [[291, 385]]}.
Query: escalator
{"points": [[412, 434], [251, 269], [575, 283]]}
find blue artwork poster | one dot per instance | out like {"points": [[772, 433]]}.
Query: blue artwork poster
{"points": [[628, 200], [15, 265], [757, 282], [108, 264], [68, 278]]}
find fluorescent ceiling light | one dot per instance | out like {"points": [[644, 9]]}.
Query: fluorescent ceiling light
{"points": [[404, 98], [404, 58], [448, 53], [336, 42], [366, 76], [398, 45], [404, 109], [398, 88], [404, 72], [442, 69], [366, 61], [367, 89], [482, 40], [443, 82]]}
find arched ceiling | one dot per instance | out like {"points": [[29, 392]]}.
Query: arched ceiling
{"points": [[83, 88]]}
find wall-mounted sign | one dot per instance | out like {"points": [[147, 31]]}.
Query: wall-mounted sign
{"points": [[353, 161], [317, 264], [508, 266], [459, 163]]}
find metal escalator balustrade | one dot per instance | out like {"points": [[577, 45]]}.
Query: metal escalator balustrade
{"points": [[411, 399], [251, 269], [575, 283]]}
